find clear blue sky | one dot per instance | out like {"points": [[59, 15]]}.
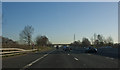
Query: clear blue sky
{"points": [[60, 21]]}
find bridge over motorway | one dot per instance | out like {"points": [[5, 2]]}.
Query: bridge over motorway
{"points": [[60, 45]]}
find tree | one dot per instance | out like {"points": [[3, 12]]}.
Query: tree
{"points": [[42, 41], [76, 43], [100, 38], [85, 42], [49, 43], [95, 36], [96, 43], [26, 34], [109, 41], [92, 40]]}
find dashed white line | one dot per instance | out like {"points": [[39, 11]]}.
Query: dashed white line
{"points": [[112, 58], [109, 58], [88, 54], [76, 59]]}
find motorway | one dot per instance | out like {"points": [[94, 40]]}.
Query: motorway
{"points": [[60, 59]]}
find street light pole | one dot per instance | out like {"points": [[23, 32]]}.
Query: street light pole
{"points": [[74, 37]]}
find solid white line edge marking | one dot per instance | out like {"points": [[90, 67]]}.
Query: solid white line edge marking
{"points": [[109, 58], [28, 65]]}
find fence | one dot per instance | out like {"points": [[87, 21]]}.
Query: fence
{"points": [[13, 51]]}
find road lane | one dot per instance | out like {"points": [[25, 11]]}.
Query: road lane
{"points": [[21, 60], [60, 59], [96, 61]]}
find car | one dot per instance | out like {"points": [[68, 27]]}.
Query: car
{"points": [[66, 48], [91, 50]]}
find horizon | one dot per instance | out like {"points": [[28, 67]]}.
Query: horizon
{"points": [[60, 21]]}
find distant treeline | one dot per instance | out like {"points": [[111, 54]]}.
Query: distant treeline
{"points": [[25, 39], [96, 41]]}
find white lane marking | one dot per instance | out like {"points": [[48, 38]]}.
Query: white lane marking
{"points": [[112, 58], [109, 58], [88, 54], [33, 62], [68, 54], [28, 65], [76, 59], [45, 54]]}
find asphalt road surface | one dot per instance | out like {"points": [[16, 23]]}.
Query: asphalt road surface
{"points": [[59, 59]]}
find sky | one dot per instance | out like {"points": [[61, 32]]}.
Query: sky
{"points": [[59, 21], [0, 19], [60, 0]]}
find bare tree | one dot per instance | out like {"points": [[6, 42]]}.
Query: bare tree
{"points": [[92, 40], [95, 36], [96, 43], [100, 38], [26, 34], [42, 41], [76, 43], [109, 40], [85, 42]]}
